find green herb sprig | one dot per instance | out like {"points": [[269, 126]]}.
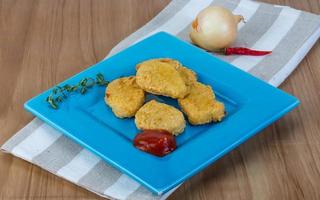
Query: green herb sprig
{"points": [[59, 93]]}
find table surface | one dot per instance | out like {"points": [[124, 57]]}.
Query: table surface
{"points": [[45, 42]]}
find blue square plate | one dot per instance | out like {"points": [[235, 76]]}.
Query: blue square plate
{"points": [[251, 105]]}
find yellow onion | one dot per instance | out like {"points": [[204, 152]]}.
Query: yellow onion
{"points": [[214, 28]]}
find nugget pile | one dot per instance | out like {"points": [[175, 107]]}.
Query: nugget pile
{"points": [[166, 77]]}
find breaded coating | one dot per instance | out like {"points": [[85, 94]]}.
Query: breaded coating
{"points": [[155, 115], [124, 96], [200, 105], [162, 78], [176, 64], [187, 75]]}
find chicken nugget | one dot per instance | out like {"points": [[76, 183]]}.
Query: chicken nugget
{"points": [[200, 105], [124, 96], [155, 115], [176, 64], [162, 78], [187, 74]]}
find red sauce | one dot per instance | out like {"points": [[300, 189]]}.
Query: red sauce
{"points": [[156, 142]]}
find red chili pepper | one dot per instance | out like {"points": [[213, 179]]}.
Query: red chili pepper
{"points": [[244, 51]]}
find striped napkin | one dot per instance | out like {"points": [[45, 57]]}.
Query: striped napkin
{"points": [[289, 33]]}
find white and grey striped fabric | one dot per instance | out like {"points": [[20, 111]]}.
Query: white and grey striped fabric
{"points": [[289, 33]]}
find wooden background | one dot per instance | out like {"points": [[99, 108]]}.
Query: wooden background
{"points": [[42, 42]]}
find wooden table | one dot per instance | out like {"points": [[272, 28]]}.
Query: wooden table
{"points": [[44, 42]]}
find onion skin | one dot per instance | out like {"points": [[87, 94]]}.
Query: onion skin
{"points": [[214, 28]]}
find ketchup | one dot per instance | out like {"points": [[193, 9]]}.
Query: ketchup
{"points": [[156, 142]]}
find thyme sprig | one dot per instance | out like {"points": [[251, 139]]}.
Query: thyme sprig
{"points": [[59, 93]]}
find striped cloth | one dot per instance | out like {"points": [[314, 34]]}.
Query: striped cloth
{"points": [[289, 33]]}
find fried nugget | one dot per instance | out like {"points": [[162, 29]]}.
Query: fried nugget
{"points": [[162, 78], [187, 74], [176, 64], [124, 96], [200, 105], [155, 115]]}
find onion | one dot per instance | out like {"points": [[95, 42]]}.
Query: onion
{"points": [[215, 28]]}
